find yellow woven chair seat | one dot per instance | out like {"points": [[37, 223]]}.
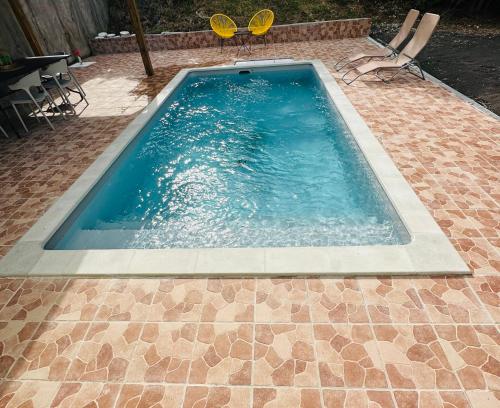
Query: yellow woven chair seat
{"points": [[261, 22], [223, 26]]}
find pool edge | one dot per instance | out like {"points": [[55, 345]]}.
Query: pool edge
{"points": [[429, 252]]}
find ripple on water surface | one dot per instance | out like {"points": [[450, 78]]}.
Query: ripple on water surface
{"points": [[237, 161]]}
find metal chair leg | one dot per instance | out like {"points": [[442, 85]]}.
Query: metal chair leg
{"points": [[65, 98], [337, 68], [77, 83], [347, 82], [19, 117], [52, 103], [43, 113], [34, 114], [417, 64], [2, 130], [377, 74]]}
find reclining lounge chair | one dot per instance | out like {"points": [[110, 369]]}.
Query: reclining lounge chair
{"points": [[406, 58], [390, 49]]}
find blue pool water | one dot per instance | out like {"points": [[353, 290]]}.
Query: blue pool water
{"points": [[238, 160]]}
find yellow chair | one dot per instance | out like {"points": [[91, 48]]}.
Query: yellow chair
{"points": [[224, 27], [260, 23]]}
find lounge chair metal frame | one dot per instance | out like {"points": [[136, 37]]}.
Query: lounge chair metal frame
{"points": [[406, 59], [393, 54], [413, 63], [389, 49]]}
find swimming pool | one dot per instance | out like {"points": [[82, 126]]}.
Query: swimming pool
{"points": [[260, 182], [247, 158]]}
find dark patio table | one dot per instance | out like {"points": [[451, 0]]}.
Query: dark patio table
{"points": [[22, 67], [243, 35], [27, 65]]}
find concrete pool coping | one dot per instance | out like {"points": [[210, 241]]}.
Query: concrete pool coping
{"points": [[429, 251]]}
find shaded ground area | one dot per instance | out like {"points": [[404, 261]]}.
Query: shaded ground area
{"points": [[468, 62]]}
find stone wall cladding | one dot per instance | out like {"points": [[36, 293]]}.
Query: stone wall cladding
{"points": [[323, 30]]}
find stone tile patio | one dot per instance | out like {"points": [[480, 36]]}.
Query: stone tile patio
{"points": [[401, 342]]}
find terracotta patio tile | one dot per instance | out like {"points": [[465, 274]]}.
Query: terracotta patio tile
{"points": [[199, 396], [33, 299], [486, 221], [284, 355], [435, 198], [49, 352], [471, 198], [481, 257], [86, 395], [480, 399], [455, 224], [105, 352], [487, 289], [392, 300], [140, 395], [286, 397], [8, 287], [33, 207], [36, 394], [230, 300], [178, 300], [357, 398], [414, 358], [430, 399], [474, 353], [336, 300], [14, 336], [281, 300], [13, 229], [222, 354], [9, 204], [450, 300], [348, 357], [80, 300], [127, 299], [163, 353]]}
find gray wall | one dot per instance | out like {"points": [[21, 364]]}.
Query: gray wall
{"points": [[60, 25]]}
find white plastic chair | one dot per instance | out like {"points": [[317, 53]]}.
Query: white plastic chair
{"points": [[61, 78], [27, 96]]}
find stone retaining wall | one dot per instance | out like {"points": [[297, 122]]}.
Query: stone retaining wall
{"points": [[323, 30]]}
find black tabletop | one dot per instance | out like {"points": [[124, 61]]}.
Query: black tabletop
{"points": [[26, 65]]}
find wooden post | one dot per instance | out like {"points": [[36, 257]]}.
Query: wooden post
{"points": [[139, 35], [26, 27]]}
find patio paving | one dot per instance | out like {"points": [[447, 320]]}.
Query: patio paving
{"points": [[309, 342]]}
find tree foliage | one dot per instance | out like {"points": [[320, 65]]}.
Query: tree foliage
{"points": [[190, 15]]}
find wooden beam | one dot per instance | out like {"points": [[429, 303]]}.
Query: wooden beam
{"points": [[139, 35], [26, 27]]}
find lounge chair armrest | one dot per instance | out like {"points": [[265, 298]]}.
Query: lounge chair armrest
{"points": [[381, 42], [412, 60], [394, 50]]}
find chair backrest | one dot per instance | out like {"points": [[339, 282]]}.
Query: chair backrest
{"points": [[421, 37], [405, 29], [59, 67], [223, 25], [261, 22], [27, 82]]}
